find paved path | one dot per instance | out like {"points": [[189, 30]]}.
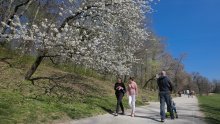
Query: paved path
{"points": [[187, 108]]}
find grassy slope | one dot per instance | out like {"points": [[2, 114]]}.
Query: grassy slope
{"points": [[72, 97], [211, 107]]}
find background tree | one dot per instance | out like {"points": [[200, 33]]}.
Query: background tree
{"points": [[202, 83]]}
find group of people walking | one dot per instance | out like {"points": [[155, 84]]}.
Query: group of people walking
{"points": [[165, 88], [120, 91]]}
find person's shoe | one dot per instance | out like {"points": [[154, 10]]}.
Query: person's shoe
{"points": [[176, 115], [132, 115], [122, 113], [116, 114], [162, 120]]}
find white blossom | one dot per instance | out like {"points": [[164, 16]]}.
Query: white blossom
{"points": [[102, 37]]}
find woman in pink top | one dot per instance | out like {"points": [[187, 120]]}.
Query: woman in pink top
{"points": [[132, 92]]}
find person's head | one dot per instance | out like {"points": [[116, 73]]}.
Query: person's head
{"points": [[119, 80], [131, 78], [163, 73]]}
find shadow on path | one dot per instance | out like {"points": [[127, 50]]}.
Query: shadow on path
{"points": [[107, 110], [151, 118]]}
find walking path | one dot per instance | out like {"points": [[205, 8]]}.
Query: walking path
{"points": [[187, 109]]}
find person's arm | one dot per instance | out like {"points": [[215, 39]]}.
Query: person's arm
{"points": [[170, 84], [115, 86], [128, 90], [158, 83], [136, 88], [174, 104], [124, 88]]}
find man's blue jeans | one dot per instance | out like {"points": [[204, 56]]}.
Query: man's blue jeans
{"points": [[165, 97]]}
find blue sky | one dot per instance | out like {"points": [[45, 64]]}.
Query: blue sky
{"points": [[192, 27]]}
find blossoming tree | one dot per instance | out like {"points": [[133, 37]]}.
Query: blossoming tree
{"points": [[100, 34]]}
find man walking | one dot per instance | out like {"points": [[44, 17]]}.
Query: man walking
{"points": [[165, 88]]}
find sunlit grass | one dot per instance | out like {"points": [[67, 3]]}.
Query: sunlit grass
{"points": [[23, 102], [210, 105]]}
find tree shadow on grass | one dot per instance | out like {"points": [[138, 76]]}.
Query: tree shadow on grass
{"points": [[212, 112], [212, 120], [209, 109]]}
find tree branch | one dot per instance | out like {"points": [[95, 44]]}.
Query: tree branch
{"points": [[149, 80], [14, 12], [46, 78], [5, 61], [75, 16], [153, 77]]}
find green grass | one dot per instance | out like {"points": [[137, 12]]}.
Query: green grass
{"points": [[80, 70], [16, 108], [81, 94], [210, 105]]}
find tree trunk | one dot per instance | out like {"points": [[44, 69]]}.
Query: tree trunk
{"points": [[34, 67], [141, 75], [125, 78]]}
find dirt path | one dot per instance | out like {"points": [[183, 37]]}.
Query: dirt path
{"points": [[187, 108]]}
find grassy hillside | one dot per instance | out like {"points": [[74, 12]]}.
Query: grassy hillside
{"points": [[76, 94], [211, 107]]}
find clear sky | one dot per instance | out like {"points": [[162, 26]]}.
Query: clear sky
{"points": [[192, 27]]}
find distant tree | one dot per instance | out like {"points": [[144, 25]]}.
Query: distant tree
{"points": [[203, 84], [216, 86]]}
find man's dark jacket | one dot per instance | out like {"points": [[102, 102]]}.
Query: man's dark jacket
{"points": [[164, 84]]}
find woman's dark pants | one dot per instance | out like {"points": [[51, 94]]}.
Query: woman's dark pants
{"points": [[119, 97]]}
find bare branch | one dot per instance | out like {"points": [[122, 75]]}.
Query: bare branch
{"points": [[76, 15], [14, 12], [5, 61]]}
